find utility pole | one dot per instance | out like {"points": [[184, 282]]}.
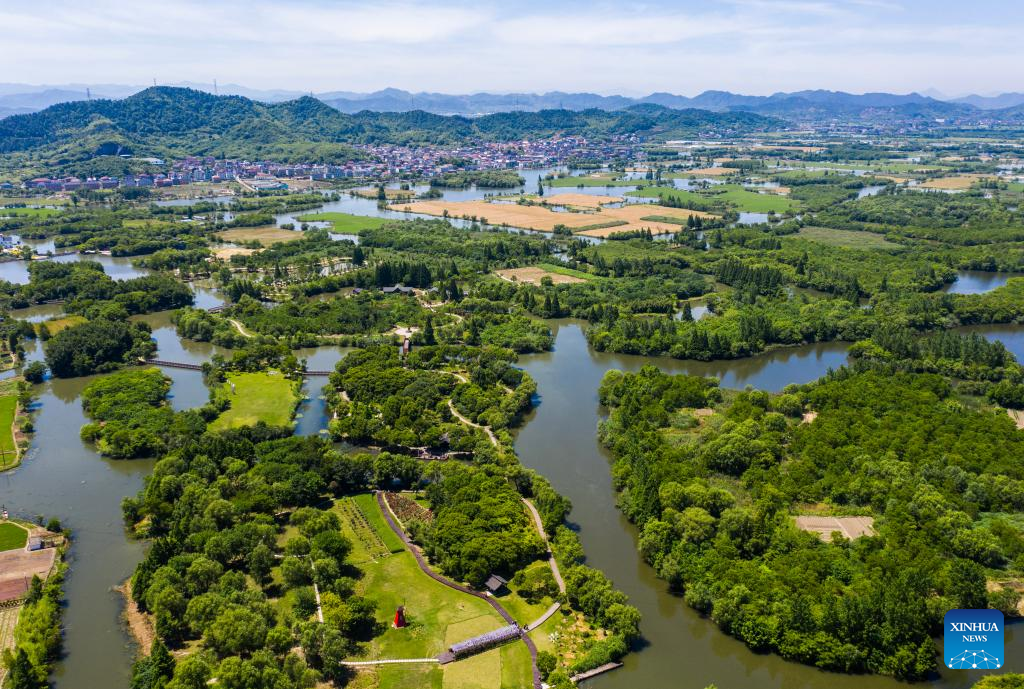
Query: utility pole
{"points": [[215, 88]]}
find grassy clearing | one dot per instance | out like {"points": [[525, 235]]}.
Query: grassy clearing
{"points": [[598, 180], [267, 397], [430, 609], [29, 212], [534, 274], [732, 195], [12, 536], [345, 223], [264, 235], [55, 325], [147, 223], [516, 668], [32, 201], [847, 239]]}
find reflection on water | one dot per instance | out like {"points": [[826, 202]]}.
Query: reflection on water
{"points": [[65, 478], [685, 651], [977, 282]]}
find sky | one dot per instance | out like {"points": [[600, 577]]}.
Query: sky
{"points": [[451, 46]]}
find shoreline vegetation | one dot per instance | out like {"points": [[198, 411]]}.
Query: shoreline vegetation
{"points": [[269, 553]]}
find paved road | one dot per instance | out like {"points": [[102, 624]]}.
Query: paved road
{"points": [[421, 561]]}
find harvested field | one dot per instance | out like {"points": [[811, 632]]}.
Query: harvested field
{"points": [[715, 171], [226, 253], [544, 219], [850, 527], [8, 620], [17, 568], [263, 235], [391, 194], [954, 183], [579, 200], [533, 275]]}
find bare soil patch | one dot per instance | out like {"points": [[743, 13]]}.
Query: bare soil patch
{"points": [[264, 235], [954, 183], [17, 568], [540, 218], [850, 527], [533, 275], [226, 253]]}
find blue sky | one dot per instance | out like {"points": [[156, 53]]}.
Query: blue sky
{"points": [[748, 46]]}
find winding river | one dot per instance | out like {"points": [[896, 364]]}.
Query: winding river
{"points": [[64, 477]]}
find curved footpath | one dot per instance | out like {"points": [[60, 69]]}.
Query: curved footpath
{"points": [[400, 532]]}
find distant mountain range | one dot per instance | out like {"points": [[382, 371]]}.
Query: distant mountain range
{"points": [[167, 122], [799, 105]]}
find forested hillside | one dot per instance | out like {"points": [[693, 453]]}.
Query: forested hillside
{"points": [[168, 121]]}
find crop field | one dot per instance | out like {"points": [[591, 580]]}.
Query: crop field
{"points": [[533, 275], [571, 200], [714, 171], [954, 183], [263, 235], [543, 219], [345, 223], [367, 543], [265, 396], [8, 620], [849, 239]]}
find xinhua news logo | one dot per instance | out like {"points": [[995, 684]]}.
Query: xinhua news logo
{"points": [[973, 640]]}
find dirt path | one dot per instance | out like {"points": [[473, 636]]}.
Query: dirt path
{"points": [[425, 568], [240, 328], [539, 523], [463, 419]]}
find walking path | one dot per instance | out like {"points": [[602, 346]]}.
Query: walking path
{"points": [[425, 568], [486, 429], [240, 328], [551, 556], [367, 663]]}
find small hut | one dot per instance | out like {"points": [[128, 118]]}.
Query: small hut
{"points": [[495, 583]]}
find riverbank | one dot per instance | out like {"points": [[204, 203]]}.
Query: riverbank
{"points": [[138, 624]]}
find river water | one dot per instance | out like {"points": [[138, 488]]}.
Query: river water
{"points": [[684, 650], [63, 477]]}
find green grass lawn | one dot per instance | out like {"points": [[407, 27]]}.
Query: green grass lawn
{"points": [[12, 536], [345, 223], [29, 212], [848, 239], [8, 406], [731, 194], [55, 325], [600, 181], [264, 396]]}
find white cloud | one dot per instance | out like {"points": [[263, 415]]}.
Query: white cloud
{"points": [[754, 46]]}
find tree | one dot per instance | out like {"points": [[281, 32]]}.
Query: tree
{"points": [[35, 372], [540, 187], [22, 675]]}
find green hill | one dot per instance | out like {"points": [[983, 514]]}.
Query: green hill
{"points": [[168, 122]]}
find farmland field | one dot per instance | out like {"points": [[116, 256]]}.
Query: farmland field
{"points": [[263, 235], [534, 274]]}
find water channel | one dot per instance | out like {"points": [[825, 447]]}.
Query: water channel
{"points": [[63, 477]]}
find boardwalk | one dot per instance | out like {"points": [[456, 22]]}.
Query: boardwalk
{"points": [[425, 568]]}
